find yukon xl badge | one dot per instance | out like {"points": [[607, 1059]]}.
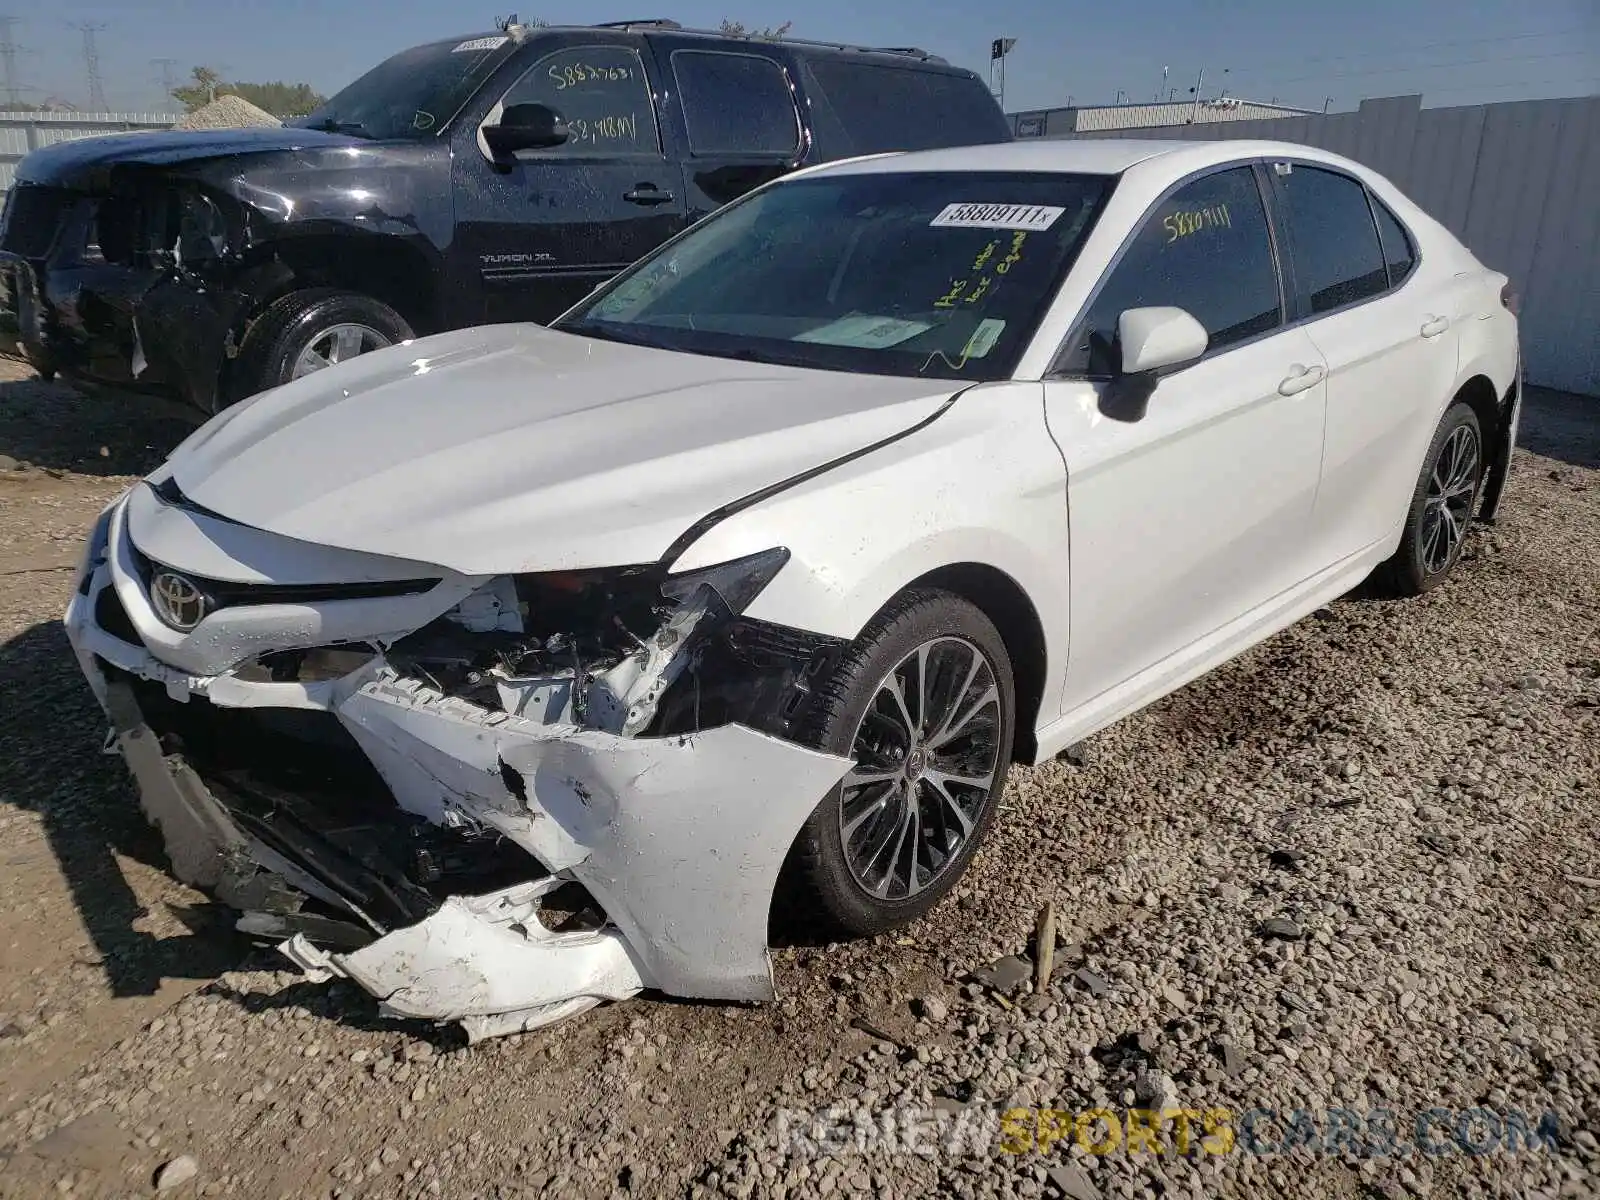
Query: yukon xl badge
{"points": [[178, 602]]}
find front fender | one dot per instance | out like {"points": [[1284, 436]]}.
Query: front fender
{"points": [[983, 484]]}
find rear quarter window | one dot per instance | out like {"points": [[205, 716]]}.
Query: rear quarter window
{"points": [[882, 108]]}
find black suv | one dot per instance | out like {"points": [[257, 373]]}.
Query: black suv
{"points": [[491, 178]]}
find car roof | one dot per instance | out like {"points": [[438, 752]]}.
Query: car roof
{"points": [[1088, 156]]}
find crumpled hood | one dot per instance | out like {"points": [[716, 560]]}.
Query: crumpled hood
{"points": [[516, 448], [69, 164]]}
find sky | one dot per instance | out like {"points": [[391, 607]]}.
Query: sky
{"points": [[1300, 53]]}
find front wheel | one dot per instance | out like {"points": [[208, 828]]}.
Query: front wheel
{"points": [[309, 330], [925, 704], [1441, 508]]}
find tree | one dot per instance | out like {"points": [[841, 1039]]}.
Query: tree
{"points": [[202, 91], [278, 98], [735, 29]]}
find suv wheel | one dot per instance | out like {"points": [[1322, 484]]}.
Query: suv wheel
{"points": [[303, 332], [924, 704]]}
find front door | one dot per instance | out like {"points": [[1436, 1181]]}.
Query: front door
{"points": [[545, 227], [1194, 513], [735, 124]]}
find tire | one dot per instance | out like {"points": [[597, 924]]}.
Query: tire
{"points": [[293, 325], [852, 715], [1442, 505]]}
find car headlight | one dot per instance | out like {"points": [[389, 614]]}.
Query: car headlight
{"points": [[94, 548], [735, 583]]}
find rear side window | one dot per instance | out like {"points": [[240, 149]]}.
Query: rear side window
{"points": [[1337, 259], [602, 94], [1205, 249], [885, 108], [736, 104], [1397, 251]]}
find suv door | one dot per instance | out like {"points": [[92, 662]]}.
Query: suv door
{"points": [[1194, 515], [1390, 349], [545, 227], [735, 122]]}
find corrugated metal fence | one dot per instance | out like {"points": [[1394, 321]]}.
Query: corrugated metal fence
{"points": [[1517, 182], [21, 132]]}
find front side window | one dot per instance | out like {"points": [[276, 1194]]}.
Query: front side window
{"points": [[1337, 259], [1397, 251], [939, 274], [736, 104], [1204, 249], [415, 93], [601, 93]]}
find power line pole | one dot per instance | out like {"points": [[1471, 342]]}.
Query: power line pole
{"points": [[8, 59], [91, 64], [169, 74]]}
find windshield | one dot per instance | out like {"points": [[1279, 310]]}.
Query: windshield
{"points": [[942, 274], [415, 93]]}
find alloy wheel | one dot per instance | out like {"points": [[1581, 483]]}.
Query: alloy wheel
{"points": [[1452, 491], [927, 754], [337, 344]]}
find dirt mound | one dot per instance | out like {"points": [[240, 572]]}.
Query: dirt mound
{"points": [[227, 112]]}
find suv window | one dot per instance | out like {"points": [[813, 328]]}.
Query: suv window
{"points": [[1337, 259], [1397, 251], [603, 95], [415, 93], [735, 103], [897, 108], [1205, 249]]}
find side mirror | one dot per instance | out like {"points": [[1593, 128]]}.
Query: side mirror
{"points": [[1153, 341], [526, 127], [1158, 339]]}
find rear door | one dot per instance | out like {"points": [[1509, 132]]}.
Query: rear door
{"points": [[735, 123], [546, 227], [1388, 335]]}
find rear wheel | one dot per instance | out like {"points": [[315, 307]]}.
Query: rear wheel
{"points": [[307, 331], [924, 704], [1441, 508]]}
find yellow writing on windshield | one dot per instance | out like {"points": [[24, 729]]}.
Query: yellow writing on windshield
{"points": [[981, 277]]}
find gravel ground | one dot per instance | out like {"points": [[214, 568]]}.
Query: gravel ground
{"points": [[1355, 869]]}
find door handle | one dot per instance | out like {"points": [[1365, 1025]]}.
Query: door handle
{"points": [[1434, 326], [1301, 378], [647, 194]]}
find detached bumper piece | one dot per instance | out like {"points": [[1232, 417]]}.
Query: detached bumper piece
{"points": [[674, 843], [486, 962]]}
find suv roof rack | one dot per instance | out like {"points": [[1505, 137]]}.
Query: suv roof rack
{"points": [[664, 23], [652, 23]]}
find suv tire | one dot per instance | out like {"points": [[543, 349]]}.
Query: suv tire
{"points": [[326, 324]]}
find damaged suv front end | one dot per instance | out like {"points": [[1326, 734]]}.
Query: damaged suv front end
{"points": [[501, 802]]}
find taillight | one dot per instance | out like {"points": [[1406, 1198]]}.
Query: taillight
{"points": [[1510, 300]]}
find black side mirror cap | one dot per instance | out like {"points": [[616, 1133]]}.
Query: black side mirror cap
{"points": [[526, 127]]}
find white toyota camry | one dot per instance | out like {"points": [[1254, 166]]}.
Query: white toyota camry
{"points": [[511, 669]]}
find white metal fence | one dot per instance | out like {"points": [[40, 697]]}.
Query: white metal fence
{"points": [[1517, 182], [22, 132]]}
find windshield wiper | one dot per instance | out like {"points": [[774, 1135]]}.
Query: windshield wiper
{"points": [[329, 125]]}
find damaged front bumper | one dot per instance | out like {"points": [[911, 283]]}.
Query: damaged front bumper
{"points": [[674, 842]]}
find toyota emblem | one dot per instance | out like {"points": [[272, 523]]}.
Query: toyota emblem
{"points": [[177, 601]]}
